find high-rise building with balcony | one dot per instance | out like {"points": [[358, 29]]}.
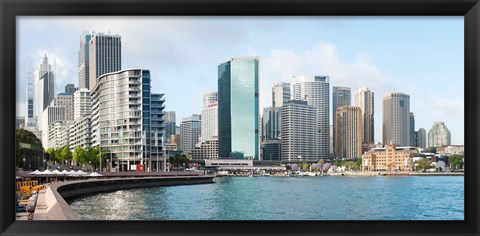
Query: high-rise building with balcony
{"points": [[396, 119], [238, 118], [127, 119], [315, 90]]}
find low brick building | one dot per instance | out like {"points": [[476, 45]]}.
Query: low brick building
{"points": [[388, 158]]}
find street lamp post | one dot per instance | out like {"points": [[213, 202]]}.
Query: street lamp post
{"points": [[24, 160]]}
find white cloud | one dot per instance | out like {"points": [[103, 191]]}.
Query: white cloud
{"points": [[61, 65], [322, 59]]}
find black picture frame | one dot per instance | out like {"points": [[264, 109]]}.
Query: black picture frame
{"points": [[470, 9]]}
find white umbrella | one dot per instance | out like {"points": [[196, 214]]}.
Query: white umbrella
{"points": [[95, 174], [47, 172], [80, 172], [36, 172], [65, 171], [56, 172]]}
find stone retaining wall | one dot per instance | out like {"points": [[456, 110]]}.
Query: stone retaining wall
{"points": [[55, 195]]}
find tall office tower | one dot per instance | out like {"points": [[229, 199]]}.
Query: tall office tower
{"points": [[43, 89], [83, 61], [104, 56], [315, 90], [364, 98], [439, 135], [190, 131], [271, 123], [349, 136], [421, 138], [170, 126], [29, 96], [132, 134], [412, 129], [65, 100], [70, 89], [238, 116], [82, 103], [209, 98], [396, 119], [341, 96], [209, 116], [280, 94], [299, 132]]}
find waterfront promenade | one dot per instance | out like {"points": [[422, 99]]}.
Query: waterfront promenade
{"points": [[51, 204]]}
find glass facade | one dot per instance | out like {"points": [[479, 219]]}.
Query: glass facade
{"points": [[238, 108]]}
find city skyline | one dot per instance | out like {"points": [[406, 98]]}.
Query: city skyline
{"points": [[349, 64]]}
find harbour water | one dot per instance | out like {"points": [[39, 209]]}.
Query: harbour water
{"points": [[285, 198]]}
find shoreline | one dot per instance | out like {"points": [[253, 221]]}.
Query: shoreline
{"points": [[53, 206]]}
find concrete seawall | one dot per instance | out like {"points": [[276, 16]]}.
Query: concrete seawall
{"points": [[51, 203]]}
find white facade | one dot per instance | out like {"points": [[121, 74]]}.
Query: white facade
{"points": [[209, 116], [207, 149], [81, 133], [58, 134], [64, 100], [439, 135], [209, 98], [209, 122], [43, 89], [82, 103], [315, 91], [280, 94], [127, 119], [50, 115], [190, 131]]}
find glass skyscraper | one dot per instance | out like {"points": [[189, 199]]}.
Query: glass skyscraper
{"points": [[238, 108]]}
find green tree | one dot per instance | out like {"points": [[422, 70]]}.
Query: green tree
{"points": [[79, 155], [51, 154], [456, 162], [179, 160], [358, 164], [424, 164], [27, 137], [304, 166]]}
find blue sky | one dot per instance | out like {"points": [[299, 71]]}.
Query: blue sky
{"points": [[419, 56]]}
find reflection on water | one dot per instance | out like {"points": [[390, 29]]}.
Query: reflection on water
{"points": [[285, 198]]}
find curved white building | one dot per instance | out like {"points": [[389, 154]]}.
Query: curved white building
{"points": [[127, 120], [439, 135]]}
